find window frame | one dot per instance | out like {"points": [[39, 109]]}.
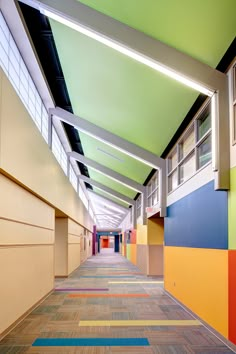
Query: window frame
{"points": [[153, 190], [233, 102], [193, 125], [139, 206]]}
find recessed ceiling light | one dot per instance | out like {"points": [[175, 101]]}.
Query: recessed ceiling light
{"points": [[109, 154]]}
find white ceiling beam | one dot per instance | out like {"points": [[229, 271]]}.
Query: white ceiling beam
{"points": [[107, 199], [130, 42], [129, 183], [108, 190], [113, 140]]}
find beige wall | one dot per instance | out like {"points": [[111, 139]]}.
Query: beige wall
{"points": [[61, 247], [27, 212], [74, 234], [25, 156], [69, 246], [26, 251]]}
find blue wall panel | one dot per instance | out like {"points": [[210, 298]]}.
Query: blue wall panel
{"points": [[198, 220]]}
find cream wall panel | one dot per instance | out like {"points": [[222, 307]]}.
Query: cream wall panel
{"points": [[18, 204], [12, 233], [1, 74], [26, 157], [61, 247], [73, 239], [27, 273], [74, 228], [73, 257]]}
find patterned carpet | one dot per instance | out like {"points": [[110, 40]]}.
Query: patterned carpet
{"points": [[108, 306]]}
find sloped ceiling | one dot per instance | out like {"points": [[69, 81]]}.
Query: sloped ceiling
{"points": [[127, 98]]}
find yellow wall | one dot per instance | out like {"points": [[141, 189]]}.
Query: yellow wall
{"points": [[141, 234], [26, 251], [25, 156], [133, 253], [128, 252], [155, 231], [199, 278]]}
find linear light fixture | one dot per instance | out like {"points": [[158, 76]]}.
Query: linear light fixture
{"points": [[128, 52]]}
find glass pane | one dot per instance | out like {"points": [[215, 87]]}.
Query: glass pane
{"points": [[204, 152], [234, 122], [4, 41], [172, 161], [24, 80], [187, 168], [187, 144], [172, 181], [4, 59], [234, 83], [23, 94], [204, 123], [24, 69], [4, 26], [14, 49], [13, 76], [154, 182], [155, 197]]}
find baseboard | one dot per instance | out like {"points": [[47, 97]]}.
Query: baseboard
{"points": [[61, 276], [22, 317]]}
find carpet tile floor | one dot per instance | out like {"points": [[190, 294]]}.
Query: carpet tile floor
{"points": [[108, 306]]}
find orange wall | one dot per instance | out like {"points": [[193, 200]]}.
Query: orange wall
{"points": [[198, 278]]}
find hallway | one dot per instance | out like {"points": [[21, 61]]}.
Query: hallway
{"points": [[108, 306]]}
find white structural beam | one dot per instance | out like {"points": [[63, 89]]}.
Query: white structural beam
{"points": [[107, 190], [128, 148], [131, 42], [107, 171], [107, 199]]}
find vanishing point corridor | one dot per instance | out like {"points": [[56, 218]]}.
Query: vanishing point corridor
{"points": [[108, 306]]}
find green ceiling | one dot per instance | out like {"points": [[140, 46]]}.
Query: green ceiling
{"points": [[128, 98], [203, 29]]}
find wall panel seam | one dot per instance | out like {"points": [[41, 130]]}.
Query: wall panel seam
{"points": [[19, 245], [25, 223]]}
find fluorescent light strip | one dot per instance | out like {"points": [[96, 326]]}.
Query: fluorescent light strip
{"points": [[128, 52]]}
